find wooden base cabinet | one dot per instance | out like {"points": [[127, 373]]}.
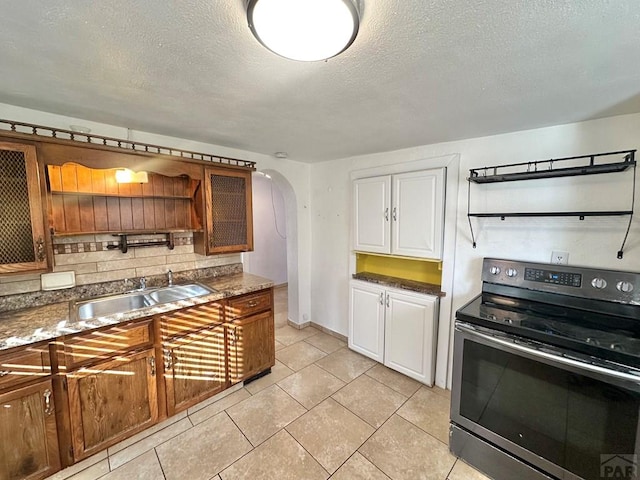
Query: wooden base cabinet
{"points": [[29, 445], [194, 368], [111, 401], [395, 327], [250, 335], [251, 343]]}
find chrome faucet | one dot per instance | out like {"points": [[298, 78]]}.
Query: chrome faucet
{"points": [[170, 277], [143, 283]]}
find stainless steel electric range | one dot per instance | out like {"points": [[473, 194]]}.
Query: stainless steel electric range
{"points": [[546, 373]]}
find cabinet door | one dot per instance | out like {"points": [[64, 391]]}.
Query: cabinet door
{"points": [[22, 241], [29, 446], [410, 334], [417, 213], [111, 401], [366, 319], [229, 225], [251, 345], [372, 204], [194, 368]]}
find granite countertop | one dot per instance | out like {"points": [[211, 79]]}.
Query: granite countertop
{"points": [[394, 282], [33, 325]]}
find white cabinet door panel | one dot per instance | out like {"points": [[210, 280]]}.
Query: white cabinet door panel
{"points": [[410, 329], [417, 213], [372, 198], [366, 319]]}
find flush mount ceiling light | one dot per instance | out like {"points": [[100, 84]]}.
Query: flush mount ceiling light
{"points": [[306, 30]]}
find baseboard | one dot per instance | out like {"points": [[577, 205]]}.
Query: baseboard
{"points": [[326, 330]]}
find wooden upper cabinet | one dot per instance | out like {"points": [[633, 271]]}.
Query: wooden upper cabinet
{"points": [[228, 212], [88, 200], [22, 238]]}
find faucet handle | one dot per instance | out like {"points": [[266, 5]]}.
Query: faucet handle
{"points": [[143, 283], [170, 277]]}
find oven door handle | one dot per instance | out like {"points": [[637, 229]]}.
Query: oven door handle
{"points": [[598, 369]]}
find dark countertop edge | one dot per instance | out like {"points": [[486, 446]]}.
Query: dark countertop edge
{"points": [[245, 283], [400, 283]]}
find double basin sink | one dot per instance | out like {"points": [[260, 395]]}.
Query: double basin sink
{"points": [[125, 302]]}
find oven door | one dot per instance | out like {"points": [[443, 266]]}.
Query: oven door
{"points": [[550, 409]]}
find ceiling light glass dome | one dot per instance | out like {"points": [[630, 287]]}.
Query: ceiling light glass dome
{"points": [[306, 30]]}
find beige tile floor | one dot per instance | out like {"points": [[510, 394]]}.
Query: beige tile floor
{"points": [[324, 412]]}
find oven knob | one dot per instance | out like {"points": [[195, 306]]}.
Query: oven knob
{"points": [[494, 270], [598, 283], [624, 287], [512, 272]]}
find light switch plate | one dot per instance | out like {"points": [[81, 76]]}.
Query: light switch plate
{"points": [[58, 280]]}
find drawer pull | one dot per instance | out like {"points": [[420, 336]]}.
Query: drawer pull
{"points": [[48, 406], [253, 303], [4, 373]]}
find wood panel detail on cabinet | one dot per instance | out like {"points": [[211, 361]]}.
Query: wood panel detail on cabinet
{"points": [[22, 236], [87, 200], [194, 368], [29, 446], [24, 366], [97, 345], [248, 304], [111, 401], [182, 322], [228, 212]]}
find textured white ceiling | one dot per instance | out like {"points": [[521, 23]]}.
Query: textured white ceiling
{"points": [[419, 72]]}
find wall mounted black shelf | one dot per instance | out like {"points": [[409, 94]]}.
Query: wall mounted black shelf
{"points": [[555, 168], [124, 245]]}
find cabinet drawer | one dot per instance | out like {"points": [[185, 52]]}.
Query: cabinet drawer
{"points": [[190, 319], [24, 366], [98, 345], [249, 304]]}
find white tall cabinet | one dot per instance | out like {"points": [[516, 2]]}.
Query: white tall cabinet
{"points": [[400, 214], [395, 327]]}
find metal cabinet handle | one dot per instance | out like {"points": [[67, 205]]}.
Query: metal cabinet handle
{"points": [[386, 214], [48, 406], [381, 298], [395, 214], [387, 300], [152, 362], [4, 373], [168, 360], [252, 303], [233, 337], [40, 249]]}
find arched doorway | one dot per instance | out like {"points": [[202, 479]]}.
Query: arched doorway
{"points": [[275, 254]]}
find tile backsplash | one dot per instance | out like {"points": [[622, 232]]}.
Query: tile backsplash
{"points": [[92, 262]]}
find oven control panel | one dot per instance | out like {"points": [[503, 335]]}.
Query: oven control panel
{"points": [[553, 276], [584, 282]]}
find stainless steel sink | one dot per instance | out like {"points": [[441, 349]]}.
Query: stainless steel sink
{"points": [[179, 292], [125, 302], [101, 307]]}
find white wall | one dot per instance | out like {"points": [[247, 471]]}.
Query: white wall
{"points": [[291, 174], [593, 242], [269, 256]]}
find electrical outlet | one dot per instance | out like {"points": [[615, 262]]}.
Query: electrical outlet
{"points": [[560, 258]]}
